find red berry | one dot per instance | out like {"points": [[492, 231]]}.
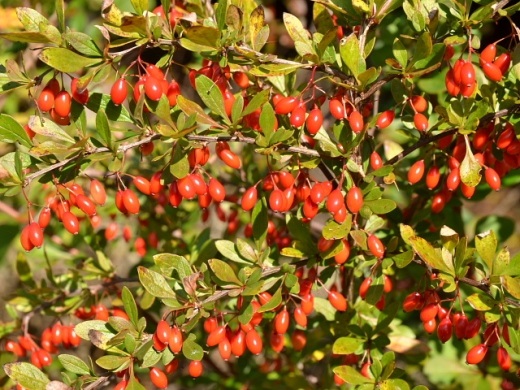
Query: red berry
{"points": [[375, 246], [142, 184], [195, 368], [216, 336], [300, 317], [62, 104], [158, 378], [419, 103], [153, 88], [70, 221], [421, 122], [356, 121], [281, 322], [163, 331], [286, 105], [45, 101], [224, 349], [476, 354], [354, 199], [337, 300], [35, 234], [504, 359], [336, 108], [80, 96], [241, 79], [503, 61], [254, 342], [376, 161], [85, 204], [175, 340], [298, 116], [453, 179], [489, 53], [429, 312], [433, 177], [230, 159], [335, 201], [314, 121], [416, 172], [45, 217], [491, 70], [131, 201], [445, 329], [363, 288], [385, 119], [216, 190], [119, 91], [238, 343], [492, 178], [97, 192], [344, 254], [467, 74], [298, 339]]}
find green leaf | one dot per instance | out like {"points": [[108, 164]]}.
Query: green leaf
{"points": [[512, 285], [273, 303], [246, 251], [403, 259], [27, 375], [381, 206], [201, 38], [394, 384], [346, 345], [256, 102], [351, 55], [221, 13], [351, 375], [259, 219], [82, 43], [191, 350], [74, 364], [49, 129], [481, 302], [84, 328], [223, 271], [229, 251], [12, 131], [133, 384], [155, 283], [336, 231], [65, 60], [103, 128], [168, 262], [112, 363], [210, 94], [501, 262], [130, 305], [140, 6], [192, 108], [486, 245], [400, 53], [470, 167], [299, 35], [179, 166], [429, 254], [267, 120], [26, 36], [98, 101]]}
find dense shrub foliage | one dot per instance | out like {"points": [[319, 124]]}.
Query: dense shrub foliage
{"points": [[231, 196]]}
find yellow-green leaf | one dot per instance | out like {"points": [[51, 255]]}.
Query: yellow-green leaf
{"points": [[470, 167]]}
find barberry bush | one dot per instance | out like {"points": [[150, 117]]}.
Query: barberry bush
{"points": [[222, 194]]}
